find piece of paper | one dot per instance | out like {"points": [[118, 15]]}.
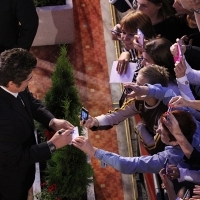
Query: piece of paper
{"points": [[117, 78], [75, 133]]}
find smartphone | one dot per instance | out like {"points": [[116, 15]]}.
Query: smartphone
{"points": [[141, 37], [122, 98], [179, 56], [165, 165], [84, 114], [187, 194], [169, 110], [124, 94], [128, 90]]}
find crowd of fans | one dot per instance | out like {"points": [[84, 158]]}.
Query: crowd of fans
{"points": [[162, 38], [164, 92]]}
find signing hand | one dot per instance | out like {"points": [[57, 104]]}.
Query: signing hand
{"points": [[61, 138]]}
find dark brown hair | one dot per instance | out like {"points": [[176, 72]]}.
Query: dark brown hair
{"points": [[165, 9], [186, 123], [159, 51], [16, 65], [138, 20], [155, 74]]}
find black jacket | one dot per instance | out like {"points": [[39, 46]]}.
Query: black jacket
{"points": [[18, 22], [18, 149]]}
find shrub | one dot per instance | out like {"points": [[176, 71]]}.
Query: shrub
{"points": [[68, 173]]}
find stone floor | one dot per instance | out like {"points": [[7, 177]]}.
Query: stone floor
{"points": [[91, 56]]}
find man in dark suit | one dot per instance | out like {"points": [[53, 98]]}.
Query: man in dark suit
{"points": [[18, 22], [18, 149]]}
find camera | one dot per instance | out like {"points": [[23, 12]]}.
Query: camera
{"points": [[84, 114]]}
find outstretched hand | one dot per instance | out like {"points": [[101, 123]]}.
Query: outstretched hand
{"points": [[137, 91], [84, 144], [90, 122]]}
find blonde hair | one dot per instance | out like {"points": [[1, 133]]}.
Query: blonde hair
{"points": [[155, 74]]}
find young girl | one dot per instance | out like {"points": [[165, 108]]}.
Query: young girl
{"points": [[129, 26]]}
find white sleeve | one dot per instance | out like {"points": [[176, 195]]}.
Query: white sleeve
{"points": [[184, 88], [188, 67], [189, 175], [192, 75]]}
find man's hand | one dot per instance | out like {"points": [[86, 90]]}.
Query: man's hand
{"points": [[62, 137], [57, 124]]}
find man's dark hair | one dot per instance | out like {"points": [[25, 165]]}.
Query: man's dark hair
{"points": [[15, 65]]}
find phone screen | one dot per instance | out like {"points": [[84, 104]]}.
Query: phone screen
{"points": [[84, 114], [179, 56], [128, 90], [141, 37]]}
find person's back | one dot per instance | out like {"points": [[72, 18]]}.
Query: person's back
{"points": [[18, 22]]}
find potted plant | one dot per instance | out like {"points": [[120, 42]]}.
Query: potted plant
{"points": [[56, 23]]}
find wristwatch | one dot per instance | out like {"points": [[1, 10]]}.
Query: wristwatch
{"points": [[197, 11], [52, 147]]}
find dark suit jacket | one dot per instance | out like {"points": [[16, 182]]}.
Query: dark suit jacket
{"points": [[18, 149], [11, 13]]}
